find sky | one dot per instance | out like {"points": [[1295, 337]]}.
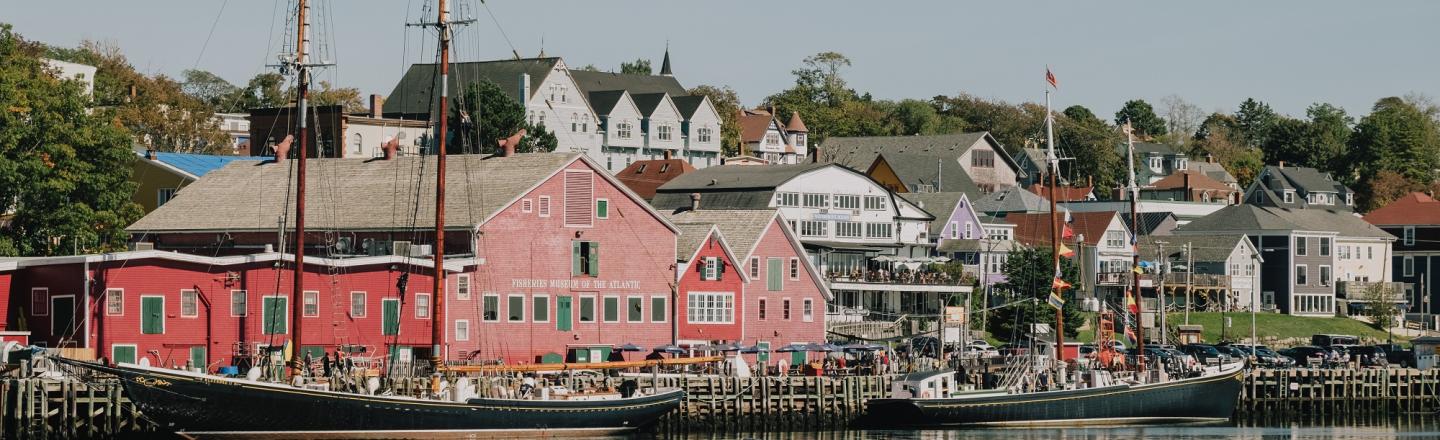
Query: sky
{"points": [[1212, 53]]}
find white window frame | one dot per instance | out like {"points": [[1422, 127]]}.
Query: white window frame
{"points": [[600, 309], [712, 269], [364, 304], [544, 208], [1409, 235], [845, 201], [662, 132], [665, 308], [305, 297], [969, 230], [1301, 246], [462, 330], [596, 313], [1289, 196], [133, 347], [814, 228], [881, 204], [244, 311], [1408, 264], [1301, 269], [794, 269], [548, 311], [849, 229], [606, 201], [754, 267], [1325, 275], [711, 307], [642, 308], [787, 199], [807, 310], [429, 303], [509, 305], [760, 308], [463, 286], [165, 195], [45, 293], [527, 205], [785, 312], [111, 296], [483, 297]]}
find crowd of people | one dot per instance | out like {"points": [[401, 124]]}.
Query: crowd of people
{"points": [[905, 276]]}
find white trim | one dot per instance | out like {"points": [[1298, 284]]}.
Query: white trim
{"points": [[450, 266], [284, 314], [595, 313], [459, 336], [786, 312], [162, 317], [689, 304], [305, 295], [510, 308], [245, 293], [429, 304], [642, 308], [665, 308], [807, 316], [107, 301], [543, 208], [468, 284], [133, 346], [527, 205], [549, 305], [618, 309], [485, 296], [597, 208], [364, 304], [793, 269], [73, 315], [182, 303]]}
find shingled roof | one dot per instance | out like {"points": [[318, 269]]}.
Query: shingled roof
{"points": [[729, 186], [1242, 218], [353, 194], [742, 227], [604, 101], [1033, 229], [1011, 199], [941, 172], [1416, 208], [644, 176], [412, 94], [590, 81], [1204, 248], [858, 152], [688, 104], [938, 204]]}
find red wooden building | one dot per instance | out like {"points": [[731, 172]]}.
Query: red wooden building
{"points": [[782, 299], [552, 258]]}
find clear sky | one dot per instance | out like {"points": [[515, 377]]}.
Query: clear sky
{"points": [[1213, 53]]}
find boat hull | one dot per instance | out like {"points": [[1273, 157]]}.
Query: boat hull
{"points": [[201, 404], [1197, 400]]}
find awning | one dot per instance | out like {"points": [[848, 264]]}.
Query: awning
{"points": [[875, 247], [975, 245]]}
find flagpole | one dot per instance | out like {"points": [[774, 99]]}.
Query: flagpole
{"points": [[1054, 227], [1134, 191]]}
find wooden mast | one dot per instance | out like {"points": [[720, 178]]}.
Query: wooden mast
{"points": [[296, 297], [437, 323], [1134, 191], [1054, 230]]}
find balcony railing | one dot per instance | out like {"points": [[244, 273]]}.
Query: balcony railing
{"points": [[1112, 278], [1197, 280], [895, 277], [1359, 290]]}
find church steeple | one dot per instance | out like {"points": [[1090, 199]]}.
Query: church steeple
{"points": [[665, 65]]}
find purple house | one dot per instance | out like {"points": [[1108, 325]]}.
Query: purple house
{"points": [[962, 234]]}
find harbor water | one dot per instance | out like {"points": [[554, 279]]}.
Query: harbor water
{"points": [[1412, 429]]}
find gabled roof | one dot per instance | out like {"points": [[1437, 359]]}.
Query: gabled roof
{"points": [[412, 94], [1304, 181], [648, 102], [604, 102], [729, 186], [644, 176], [744, 228], [194, 166], [1149, 221], [1239, 218], [859, 152], [1416, 208], [1011, 199], [1214, 171], [693, 237], [688, 104], [944, 173], [754, 125], [1209, 248], [359, 194], [589, 81], [1242, 218], [1063, 193], [1033, 229], [938, 204], [1146, 148]]}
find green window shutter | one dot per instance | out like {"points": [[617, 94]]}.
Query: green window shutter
{"points": [[797, 358], [602, 208], [773, 275], [391, 317], [562, 313], [515, 309], [273, 315], [123, 354], [612, 309], [197, 358], [152, 310], [575, 269], [594, 269]]}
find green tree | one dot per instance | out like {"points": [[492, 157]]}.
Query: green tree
{"points": [[727, 104], [1029, 273], [64, 169], [1330, 129], [484, 114], [1141, 116], [1014, 126], [1080, 113], [265, 90], [1253, 122], [1380, 306], [638, 67], [1215, 140], [348, 98], [1396, 136], [209, 88], [1092, 143]]}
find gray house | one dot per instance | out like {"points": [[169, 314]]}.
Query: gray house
{"points": [[1212, 272]]}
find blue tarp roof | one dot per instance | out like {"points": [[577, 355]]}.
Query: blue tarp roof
{"points": [[199, 164]]}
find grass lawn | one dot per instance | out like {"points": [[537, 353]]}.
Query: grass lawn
{"points": [[1277, 328]]}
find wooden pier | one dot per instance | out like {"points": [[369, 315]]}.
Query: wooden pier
{"points": [[44, 408], [1322, 392]]}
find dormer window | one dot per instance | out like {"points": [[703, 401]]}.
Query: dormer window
{"points": [[1182, 164], [1289, 196], [1349, 199], [1156, 163]]}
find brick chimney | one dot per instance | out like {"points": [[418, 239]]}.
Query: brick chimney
{"points": [[1189, 193], [376, 103], [1282, 164], [694, 201]]}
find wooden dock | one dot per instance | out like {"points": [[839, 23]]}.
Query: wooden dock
{"points": [[44, 408], [1341, 391]]}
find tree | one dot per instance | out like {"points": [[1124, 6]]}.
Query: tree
{"points": [[209, 88], [1142, 117], [64, 169], [589, 68], [1241, 161], [1182, 119], [727, 104], [1380, 306], [265, 90], [348, 98], [1029, 273], [1014, 126], [1080, 113], [498, 117], [829, 108], [638, 67], [1092, 145], [1396, 136], [1253, 122], [1330, 129]]}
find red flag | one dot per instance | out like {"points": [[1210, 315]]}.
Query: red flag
{"points": [[1059, 284], [1130, 303], [1050, 78], [1066, 233]]}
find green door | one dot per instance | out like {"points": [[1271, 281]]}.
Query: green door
{"points": [[391, 313], [797, 358], [123, 354], [273, 313], [582, 354], [773, 280], [152, 315], [197, 357], [562, 313], [764, 355]]}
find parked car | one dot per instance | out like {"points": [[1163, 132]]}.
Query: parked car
{"points": [[1396, 354], [1264, 356], [1369, 356], [1232, 354], [979, 352], [1328, 340], [1089, 351], [1205, 354], [1306, 356]]}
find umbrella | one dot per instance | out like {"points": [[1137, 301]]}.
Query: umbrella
{"points": [[629, 347], [702, 347], [754, 349], [862, 347], [669, 349], [941, 259], [791, 348], [819, 347], [728, 347]]}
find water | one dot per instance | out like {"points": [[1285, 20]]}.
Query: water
{"points": [[1419, 427]]}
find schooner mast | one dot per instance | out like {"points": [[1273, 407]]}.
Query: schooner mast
{"points": [[302, 74], [1056, 289]]}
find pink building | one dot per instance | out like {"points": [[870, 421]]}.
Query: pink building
{"points": [[784, 298]]}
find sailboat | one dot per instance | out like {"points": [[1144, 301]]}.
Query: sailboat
{"points": [[200, 404], [933, 399]]}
